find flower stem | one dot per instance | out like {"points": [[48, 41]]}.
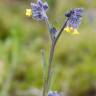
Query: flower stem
{"points": [[48, 79], [49, 74]]}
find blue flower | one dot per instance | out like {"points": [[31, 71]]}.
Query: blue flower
{"points": [[74, 20], [51, 93], [53, 32], [39, 10]]}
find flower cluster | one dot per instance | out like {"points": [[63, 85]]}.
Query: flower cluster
{"points": [[51, 93], [38, 10], [74, 19]]}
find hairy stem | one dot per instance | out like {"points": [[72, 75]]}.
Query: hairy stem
{"points": [[44, 64], [49, 74], [49, 28], [47, 81], [61, 30], [52, 54]]}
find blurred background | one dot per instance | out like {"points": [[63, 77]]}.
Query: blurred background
{"points": [[21, 41]]}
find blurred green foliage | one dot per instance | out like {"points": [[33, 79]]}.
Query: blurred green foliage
{"points": [[75, 56]]}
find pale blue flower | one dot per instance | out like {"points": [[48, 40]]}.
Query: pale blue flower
{"points": [[74, 19], [74, 16], [51, 93], [39, 10]]}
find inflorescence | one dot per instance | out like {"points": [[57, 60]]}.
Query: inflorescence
{"points": [[74, 20], [38, 12], [51, 93]]}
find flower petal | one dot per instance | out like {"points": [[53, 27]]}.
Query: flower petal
{"points": [[37, 16], [53, 93], [35, 7], [75, 32], [28, 12], [68, 29], [45, 6], [40, 3]]}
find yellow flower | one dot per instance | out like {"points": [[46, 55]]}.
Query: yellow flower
{"points": [[71, 30], [28, 12], [75, 32]]}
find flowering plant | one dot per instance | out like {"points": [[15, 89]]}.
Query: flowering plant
{"points": [[73, 18]]}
